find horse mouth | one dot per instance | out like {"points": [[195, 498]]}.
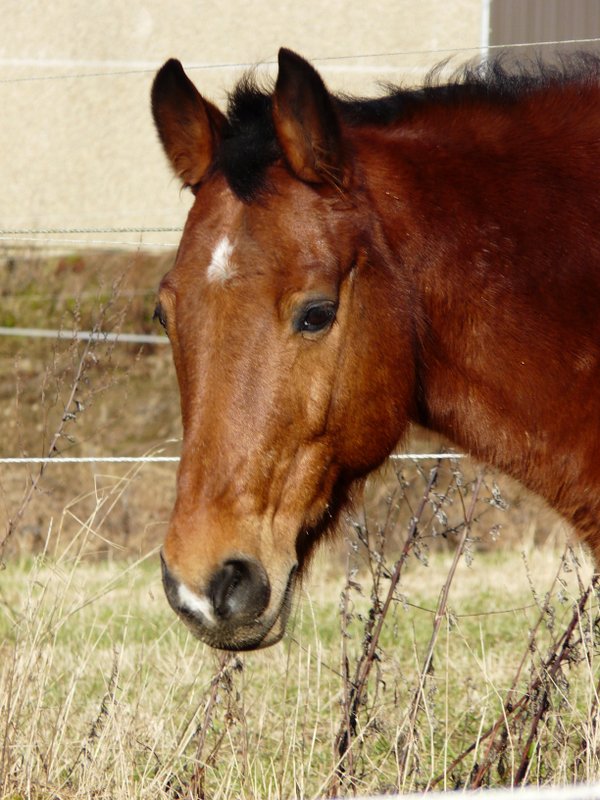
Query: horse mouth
{"points": [[254, 635]]}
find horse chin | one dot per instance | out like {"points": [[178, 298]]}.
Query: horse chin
{"points": [[253, 636]]}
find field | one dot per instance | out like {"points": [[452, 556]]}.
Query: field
{"points": [[71, 398], [105, 695], [448, 639]]}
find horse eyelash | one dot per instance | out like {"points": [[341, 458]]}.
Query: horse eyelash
{"points": [[159, 314]]}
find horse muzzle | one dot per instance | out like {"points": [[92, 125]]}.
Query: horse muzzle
{"points": [[233, 612]]}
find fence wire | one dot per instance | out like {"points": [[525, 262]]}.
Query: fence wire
{"points": [[175, 459], [150, 68], [34, 235]]}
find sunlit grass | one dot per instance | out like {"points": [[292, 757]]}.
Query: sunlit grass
{"points": [[104, 693]]}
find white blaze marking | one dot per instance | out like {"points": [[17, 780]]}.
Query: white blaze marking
{"points": [[196, 604], [220, 268]]}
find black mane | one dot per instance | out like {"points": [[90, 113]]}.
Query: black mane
{"points": [[249, 145]]}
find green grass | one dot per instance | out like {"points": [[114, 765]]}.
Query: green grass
{"points": [[103, 693]]}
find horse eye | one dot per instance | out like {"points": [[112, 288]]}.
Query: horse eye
{"points": [[317, 317], [159, 314]]}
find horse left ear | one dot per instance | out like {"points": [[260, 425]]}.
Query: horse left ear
{"points": [[307, 124]]}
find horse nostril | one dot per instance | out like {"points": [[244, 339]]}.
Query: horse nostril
{"points": [[240, 589]]}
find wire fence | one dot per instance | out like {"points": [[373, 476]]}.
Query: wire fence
{"points": [[176, 459], [54, 234], [146, 68], [84, 336], [84, 69]]}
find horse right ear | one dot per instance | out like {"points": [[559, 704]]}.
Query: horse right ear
{"points": [[306, 123], [189, 126]]}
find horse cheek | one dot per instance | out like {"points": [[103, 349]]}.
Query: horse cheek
{"points": [[378, 391]]}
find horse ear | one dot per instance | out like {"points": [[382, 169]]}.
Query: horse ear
{"points": [[189, 126], [306, 123]]}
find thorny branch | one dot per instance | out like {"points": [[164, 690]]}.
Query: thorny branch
{"points": [[228, 662], [509, 702]]}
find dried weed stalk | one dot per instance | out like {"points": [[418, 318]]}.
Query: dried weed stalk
{"points": [[522, 718], [349, 739], [222, 697], [77, 398], [512, 747]]}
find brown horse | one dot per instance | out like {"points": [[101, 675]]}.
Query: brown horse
{"points": [[351, 265]]}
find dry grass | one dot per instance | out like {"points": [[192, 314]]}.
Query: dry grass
{"points": [[103, 694], [71, 398]]}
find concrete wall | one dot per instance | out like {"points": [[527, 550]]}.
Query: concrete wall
{"points": [[77, 143]]}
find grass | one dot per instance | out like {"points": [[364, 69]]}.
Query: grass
{"points": [[104, 694]]}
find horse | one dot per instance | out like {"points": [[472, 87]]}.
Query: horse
{"points": [[351, 266]]}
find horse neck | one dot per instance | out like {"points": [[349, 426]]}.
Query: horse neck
{"points": [[495, 339]]}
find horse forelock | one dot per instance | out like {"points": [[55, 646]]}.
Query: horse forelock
{"points": [[249, 145]]}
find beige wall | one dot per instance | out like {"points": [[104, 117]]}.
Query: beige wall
{"points": [[81, 152]]}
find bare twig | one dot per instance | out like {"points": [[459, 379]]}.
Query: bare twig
{"points": [[509, 703], [440, 614], [548, 673], [220, 681], [66, 418], [548, 678], [354, 694]]}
